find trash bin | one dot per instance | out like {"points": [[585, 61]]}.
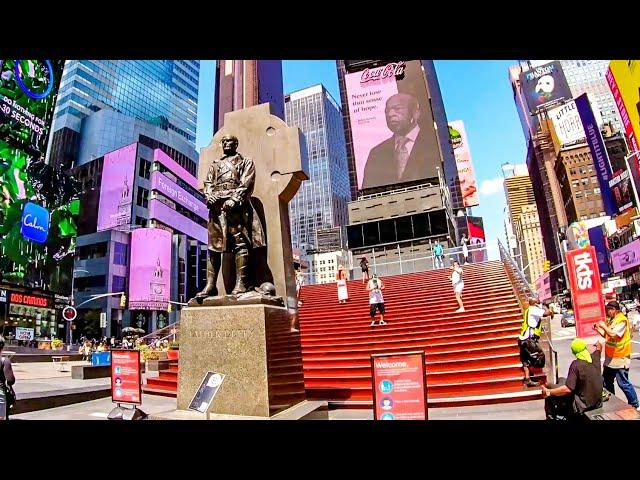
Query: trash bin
{"points": [[100, 358]]}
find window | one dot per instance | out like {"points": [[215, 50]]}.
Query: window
{"points": [[118, 284], [145, 169], [142, 199], [119, 254]]}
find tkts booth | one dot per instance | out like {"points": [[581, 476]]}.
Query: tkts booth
{"points": [[31, 318]]}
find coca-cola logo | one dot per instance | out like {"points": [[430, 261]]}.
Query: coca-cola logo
{"points": [[386, 71]]}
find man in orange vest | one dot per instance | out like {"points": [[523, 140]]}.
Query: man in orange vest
{"points": [[617, 351]]}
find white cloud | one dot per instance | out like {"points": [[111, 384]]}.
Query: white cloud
{"points": [[491, 187]]}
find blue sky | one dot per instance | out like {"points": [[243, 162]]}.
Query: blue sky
{"points": [[474, 91]]}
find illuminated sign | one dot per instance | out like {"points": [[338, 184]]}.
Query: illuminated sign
{"points": [[31, 300], [35, 223]]}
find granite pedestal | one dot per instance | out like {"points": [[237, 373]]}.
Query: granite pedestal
{"points": [[253, 346]]}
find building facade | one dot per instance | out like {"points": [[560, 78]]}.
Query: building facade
{"points": [[136, 188], [523, 218], [324, 266], [321, 202], [163, 93]]}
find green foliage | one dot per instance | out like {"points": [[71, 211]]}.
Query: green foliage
{"points": [[56, 343]]}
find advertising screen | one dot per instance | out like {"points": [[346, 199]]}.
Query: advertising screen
{"points": [[168, 216], [174, 192], [626, 257], [598, 152], [150, 272], [544, 85], [622, 191], [623, 77], [126, 384], [394, 138], [28, 91], [39, 211], [586, 290], [399, 386], [567, 124], [598, 241], [461, 150], [116, 191]]}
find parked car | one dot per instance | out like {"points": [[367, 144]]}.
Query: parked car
{"points": [[568, 319]]}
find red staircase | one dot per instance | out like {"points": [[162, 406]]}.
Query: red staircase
{"points": [[166, 384], [471, 357]]}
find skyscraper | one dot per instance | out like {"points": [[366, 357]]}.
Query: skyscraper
{"points": [[523, 216], [322, 200], [160, 92]]}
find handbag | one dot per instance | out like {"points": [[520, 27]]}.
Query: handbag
{"points": [[10, 394]]}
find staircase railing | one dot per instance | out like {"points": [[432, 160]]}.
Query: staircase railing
{"points": [[523, 292], [170, 332]]}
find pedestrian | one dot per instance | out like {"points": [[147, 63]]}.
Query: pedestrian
{"points": [[530, 330], [341, 280], [458, 284], [617, 352], [299, 284], [364, 266], [581, 391], [376, 300], [464, 241], [438, 252], [7, 379]]}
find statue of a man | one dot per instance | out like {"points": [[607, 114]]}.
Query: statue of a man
{"points": [[234, 225]]}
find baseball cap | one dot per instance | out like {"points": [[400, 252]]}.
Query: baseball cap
{"points": [[613, 304]]}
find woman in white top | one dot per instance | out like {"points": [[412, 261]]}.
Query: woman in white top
{"points": [[458, 284], [465, 249], [341, 279]]}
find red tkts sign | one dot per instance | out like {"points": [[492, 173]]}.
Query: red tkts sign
{"points": [[399, 386], [126, 384], [586, 290]]}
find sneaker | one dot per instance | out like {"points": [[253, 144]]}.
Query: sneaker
{"points": [[460, 310], [529, 383], [382, 322], [373, 324]]}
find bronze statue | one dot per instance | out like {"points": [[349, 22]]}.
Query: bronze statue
{"points": [[234, 225]]}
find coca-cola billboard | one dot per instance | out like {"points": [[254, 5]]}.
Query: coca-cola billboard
{"points": [[586, 290], [394, 139]]}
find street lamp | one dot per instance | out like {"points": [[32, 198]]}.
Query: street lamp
{"points": [[73, 277]]}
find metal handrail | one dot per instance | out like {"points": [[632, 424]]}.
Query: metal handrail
{"points": [[154, 335], [523, 290]]}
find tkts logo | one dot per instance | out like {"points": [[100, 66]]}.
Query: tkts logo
{"points": [[584, 273], [386, 71]]}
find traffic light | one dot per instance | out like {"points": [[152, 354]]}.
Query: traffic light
{"points": [[547, 266], [123, 301], [169, 309]]}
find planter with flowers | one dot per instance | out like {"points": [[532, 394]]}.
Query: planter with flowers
{"points": [[56, 344], [174, 351]]}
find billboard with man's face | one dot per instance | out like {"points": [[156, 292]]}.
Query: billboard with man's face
{"points": [[394, 139], [544, 85]]}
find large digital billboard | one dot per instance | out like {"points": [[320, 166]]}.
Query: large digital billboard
{"points": [[567, 123], [461, 150], [623, 77], [39, 204], [544, 85], [168, 216], [174, 192], [116, 192], [150, 272], [28, 92], [394, 139]]}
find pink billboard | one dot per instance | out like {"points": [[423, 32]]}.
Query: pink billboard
{"points": [[626, 257], [464, 166], [150, 271], [164, 159], [168, 216], [394, 138], [172, 191], [116, 192]]}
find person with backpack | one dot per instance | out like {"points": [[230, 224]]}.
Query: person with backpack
{"points": [[7, 379], [530, 332], [581, 391], [438, 253]]}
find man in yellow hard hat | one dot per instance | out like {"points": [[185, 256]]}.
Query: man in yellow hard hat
{"points": [[582, 390]]}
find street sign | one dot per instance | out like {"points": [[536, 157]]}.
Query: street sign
{"points": [[69, 313], [103, 320]]}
